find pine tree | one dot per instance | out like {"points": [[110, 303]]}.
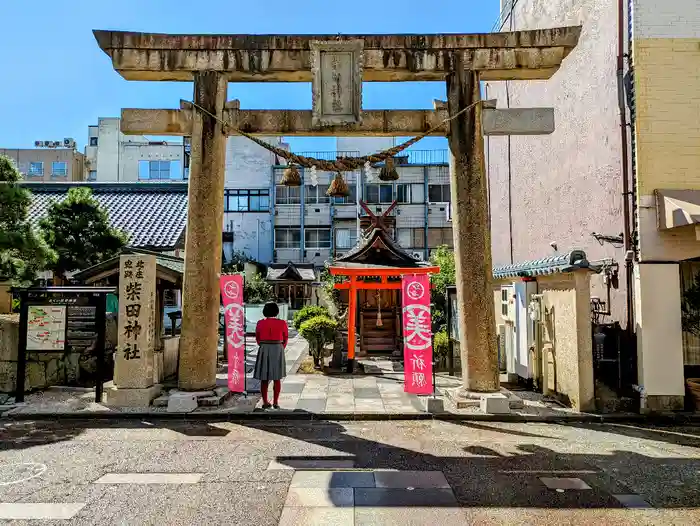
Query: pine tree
{"points": [[78, 230], [23, 252]]}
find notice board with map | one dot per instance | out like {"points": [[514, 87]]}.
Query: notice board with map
{"points": [[68, 320], [46, 328]]}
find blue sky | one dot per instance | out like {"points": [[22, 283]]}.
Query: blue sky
{"points": [[55, 81]]}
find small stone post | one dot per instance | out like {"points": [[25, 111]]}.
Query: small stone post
{"points": [[472, 235], [201, 298], [133, 365]]}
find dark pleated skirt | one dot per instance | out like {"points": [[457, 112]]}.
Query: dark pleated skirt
{"points": [[270, 363]]}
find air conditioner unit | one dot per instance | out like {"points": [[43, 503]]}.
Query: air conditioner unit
{"points": [[68, 143], [418, 256], [38, 144]]}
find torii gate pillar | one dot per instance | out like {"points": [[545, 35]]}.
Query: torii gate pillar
{"points": [[200, 291], [472, 233]]}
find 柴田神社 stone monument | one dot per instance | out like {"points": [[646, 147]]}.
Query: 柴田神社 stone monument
{"points": [[337, 66]]}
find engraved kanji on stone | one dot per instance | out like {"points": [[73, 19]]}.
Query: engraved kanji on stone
{"points": [[132, 329], [128, 274], [133, 310], [131, 352], [133, 291]]}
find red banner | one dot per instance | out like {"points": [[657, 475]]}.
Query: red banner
{"points": [[234, 317], [417, 334]]}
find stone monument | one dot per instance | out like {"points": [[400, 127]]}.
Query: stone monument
{"points": [[134, 383]]}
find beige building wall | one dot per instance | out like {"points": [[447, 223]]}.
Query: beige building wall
{"points": [[563, 359], [23, 158], [562, 187], [666, 58]]}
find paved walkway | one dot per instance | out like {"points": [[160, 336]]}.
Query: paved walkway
{"points": [[180, 473], [369, 395]]}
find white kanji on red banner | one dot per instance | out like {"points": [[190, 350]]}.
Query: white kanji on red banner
{"points": [[417, 335]]}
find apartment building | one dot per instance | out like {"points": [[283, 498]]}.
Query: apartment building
{"points": [[113, 157], [311, 227], [48, 164], [620, 176]]}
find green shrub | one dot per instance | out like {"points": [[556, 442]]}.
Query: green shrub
{"points": [[318, 331], [441, 344], [308, 312]]}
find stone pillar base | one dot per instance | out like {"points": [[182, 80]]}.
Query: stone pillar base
{"points": [[662, 403], [462, 398], [124, 397]]}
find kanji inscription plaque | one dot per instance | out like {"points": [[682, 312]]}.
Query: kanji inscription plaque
{"points": [[337, 82]]}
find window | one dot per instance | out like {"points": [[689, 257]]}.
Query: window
{"points": [[247, 200], [36, 169], [317, 238], [379, 193], [287, 238], [348, 199], [92, 175], [345, 238], [93, 141], [504, 302], [439, 193], [288, 195], [410, 193], [159, 170], [410, 237], [59, 169], [440, 236], [317, 194]]}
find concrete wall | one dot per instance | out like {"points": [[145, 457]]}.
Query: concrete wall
{"points": [[107, 156], [565, 338], [134, 152], [75, 163], [666, 52], [116, 156], [566, 185], [249, 166], [659, 337], [252, 234]]}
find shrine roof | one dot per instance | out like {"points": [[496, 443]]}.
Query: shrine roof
{"points": [[290, 272], [378, 249], [169, 268], [153, 215]]}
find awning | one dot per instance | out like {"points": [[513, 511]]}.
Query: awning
{"points": [[676, 208]]}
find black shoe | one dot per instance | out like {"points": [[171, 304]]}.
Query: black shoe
{"points": [[276, 406], [266, 406]]}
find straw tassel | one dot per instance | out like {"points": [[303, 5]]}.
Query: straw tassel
{"points": [[338, 187]]}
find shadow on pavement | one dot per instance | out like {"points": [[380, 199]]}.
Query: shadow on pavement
{"points": [[479, 475]]}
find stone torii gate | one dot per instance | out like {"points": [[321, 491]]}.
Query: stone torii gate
{"points": [[337, 66]]}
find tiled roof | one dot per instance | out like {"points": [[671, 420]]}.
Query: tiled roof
{"points": [[290, 272], [154, 215], [574, 260]]}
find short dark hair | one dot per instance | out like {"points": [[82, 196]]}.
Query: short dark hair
{"points": [[270, 310]]}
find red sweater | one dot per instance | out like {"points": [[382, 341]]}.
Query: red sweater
{"points": [[271, 329]]}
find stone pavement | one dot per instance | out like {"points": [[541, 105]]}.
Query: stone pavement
{"points": [[343, 396], [269, 473]]}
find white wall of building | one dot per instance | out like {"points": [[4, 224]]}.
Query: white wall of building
{"points": [[249, 167], [119, 158]]}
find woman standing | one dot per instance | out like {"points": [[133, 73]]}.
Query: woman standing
{"points": [[272, 336]]}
